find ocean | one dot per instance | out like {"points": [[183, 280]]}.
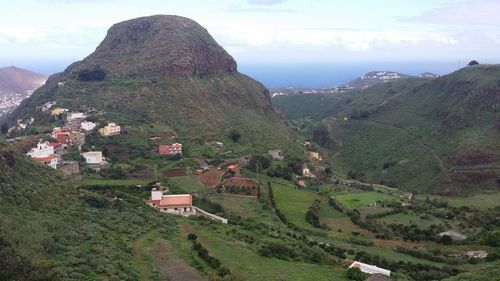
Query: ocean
{"points": [[298, 75], [325, 75]]}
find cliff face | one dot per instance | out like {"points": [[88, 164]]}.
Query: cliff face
{"points": [[162, 45]]}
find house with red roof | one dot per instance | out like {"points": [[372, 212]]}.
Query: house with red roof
{"points": [[180, 204]]}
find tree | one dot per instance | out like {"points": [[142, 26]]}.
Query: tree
{"points": [[259, 161], [473, 62], [446, 239], [235, 135], [355, 273]]}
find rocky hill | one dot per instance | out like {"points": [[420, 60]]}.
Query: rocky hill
{"points": [[15, 80], [434, 135], [375, 77], [168, 46], [165, 70]]}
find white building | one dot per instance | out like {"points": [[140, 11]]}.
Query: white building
{"points": [[88, 126], [43, 149], [180, 204], [370, 269], [50, 160], [44, 153], [75, 115], [93, 157]]}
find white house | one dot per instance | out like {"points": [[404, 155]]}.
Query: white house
{"points": [[87, 125], [43, 149], [180, 204], [75, 115], [44, 153], [370, 269], [93, 157], [50, 160]]}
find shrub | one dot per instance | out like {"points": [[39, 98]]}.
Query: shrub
{"points": [[235, 135], [355, 273]]}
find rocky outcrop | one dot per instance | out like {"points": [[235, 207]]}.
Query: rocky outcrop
{"points": [[162, 45]]}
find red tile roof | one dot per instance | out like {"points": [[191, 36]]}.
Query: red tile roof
{"points": [[173, 201], [177, 200]]}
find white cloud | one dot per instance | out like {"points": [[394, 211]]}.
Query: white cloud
{"points": [[265, 2], [476, 12], [353, 40], [21, 34]]}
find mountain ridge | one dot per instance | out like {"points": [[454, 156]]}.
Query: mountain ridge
{"points": [[445, 126], [16, 80]]}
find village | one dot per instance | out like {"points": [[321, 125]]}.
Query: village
{"points": [[227, 177]]}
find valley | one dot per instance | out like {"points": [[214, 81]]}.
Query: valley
{"points": [[154, 159]]}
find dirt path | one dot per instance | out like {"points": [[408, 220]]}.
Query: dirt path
{"points": [[169, 267]]}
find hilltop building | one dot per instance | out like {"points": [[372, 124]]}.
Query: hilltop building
{"points": [[180, 204], [75, 115], [276, 154], [44, 153], [110, 130], [58, 111], [94, 160], [476, 254], [173, 149], [88, 126]]}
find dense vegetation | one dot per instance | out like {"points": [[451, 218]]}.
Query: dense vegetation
{"points": [[50, 229], [431, 135]]}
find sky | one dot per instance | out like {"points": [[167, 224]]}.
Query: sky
{"points": [[48, 35]]}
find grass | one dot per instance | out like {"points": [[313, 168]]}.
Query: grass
{"points": [[293, 203], [410, 218], [336, 220], [480, 201], [112, 182], [360, 199], [245, 207], [243, 259], [186, 183]]}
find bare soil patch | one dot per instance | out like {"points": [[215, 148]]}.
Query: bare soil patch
{"points": [[176, 172], [210, 178]]}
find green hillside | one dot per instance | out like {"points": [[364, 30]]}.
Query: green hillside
{"points": [[52, 230], [420, 134], [168, 71]]}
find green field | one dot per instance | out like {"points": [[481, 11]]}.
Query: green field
{"points": [[111, 182], [186, 183], [411, 218], [246, 207], [294, 203], [242, 258], [479, 201], [360, 199], [336, 221]]}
